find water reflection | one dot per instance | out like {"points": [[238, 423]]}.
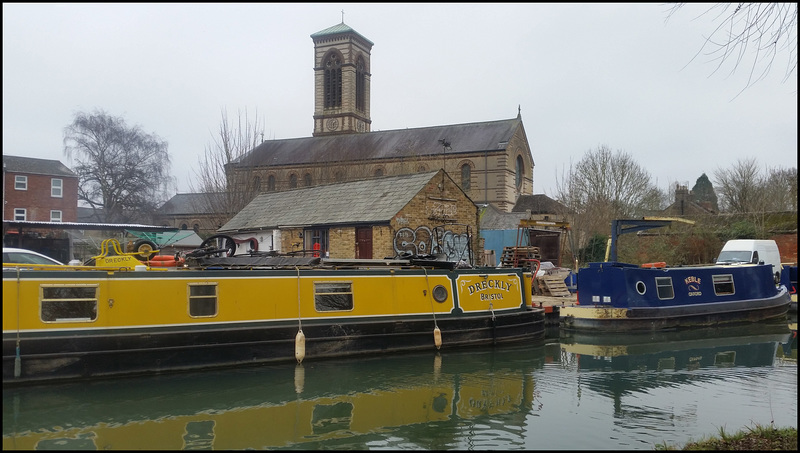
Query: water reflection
{"points": [[534, 395]]}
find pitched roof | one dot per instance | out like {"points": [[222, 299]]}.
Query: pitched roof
{"points": [[372, 201], [538, 204], [339, 29], [399, 143], [189, 203], [494, 219], [31, 165]]}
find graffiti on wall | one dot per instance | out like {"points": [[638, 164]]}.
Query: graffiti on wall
{"points": [[423, 240]]}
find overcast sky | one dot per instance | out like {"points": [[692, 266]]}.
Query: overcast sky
{"points": [[584, 75]]}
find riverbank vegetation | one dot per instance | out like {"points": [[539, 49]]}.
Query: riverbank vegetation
{"points": [[749, 439]]}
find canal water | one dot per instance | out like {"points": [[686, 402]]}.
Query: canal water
{"points": [[568, 392]]}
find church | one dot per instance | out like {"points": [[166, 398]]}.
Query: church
{"points": [[491, 160], [456, 171]]}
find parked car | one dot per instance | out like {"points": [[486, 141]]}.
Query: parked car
{"points": [[23, 256]]}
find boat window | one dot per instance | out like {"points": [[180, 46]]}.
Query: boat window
{"points": [[640, 287], [723, 284], [69, 303], [664, 288], [439, 293], [333, 296], [203, 300]]}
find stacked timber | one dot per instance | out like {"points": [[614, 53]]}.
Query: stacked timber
{"points": [[517, 256]]}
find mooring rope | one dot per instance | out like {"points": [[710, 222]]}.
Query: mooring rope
{"points": [[437, 333]]}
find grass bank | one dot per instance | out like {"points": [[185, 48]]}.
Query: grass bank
{"points": [[757, 438]]}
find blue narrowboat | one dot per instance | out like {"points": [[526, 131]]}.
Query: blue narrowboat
{"points": [[622, 297]]}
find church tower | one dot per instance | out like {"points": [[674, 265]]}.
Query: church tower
{"points": [[341, 81]]}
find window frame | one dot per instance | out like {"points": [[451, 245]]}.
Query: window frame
{"points": [[196, 299], [90, 303], [20, 212], [723, 284], [56, 191], [662, 283], [53, 216], [330, 293], [20, 182]]}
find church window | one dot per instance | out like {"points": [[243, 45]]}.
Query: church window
{"points": [[307, 179], [293, 181], [466, 176], [378, 172], [257, 184], [361, 85], [333, 80], [520, 171], [271, 183]]}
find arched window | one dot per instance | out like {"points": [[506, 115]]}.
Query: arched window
{"points": [[184, 226], [271, 183], [293, 181], [257, 184], [307, 179], [422, 169], [520, 171], [361, 84], [466, 176], [378, 172], [196, 227], [333, 80], [338, 176]]}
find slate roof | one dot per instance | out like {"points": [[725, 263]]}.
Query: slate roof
{"points": [[339, 29], [31, 165], [188, 204], [494, 219], [400, 143], [538, 204], [370, 201]]}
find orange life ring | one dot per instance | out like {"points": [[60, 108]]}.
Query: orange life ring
{"points": [[165, 261], [658, 264]]}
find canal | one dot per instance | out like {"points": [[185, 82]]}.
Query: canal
{"points": [[568, 392]]}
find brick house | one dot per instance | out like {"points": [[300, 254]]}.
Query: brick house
{"points": [[366, 219], [40, 190]]}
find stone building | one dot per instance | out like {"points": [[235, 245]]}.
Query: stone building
{"points": [[379, 218], [491, 161]]}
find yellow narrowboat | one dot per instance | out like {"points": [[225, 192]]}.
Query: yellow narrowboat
{"points": [[113, 318]]}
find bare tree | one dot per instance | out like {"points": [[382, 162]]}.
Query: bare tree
{"points": [[740, 187], [227, 187], [604, 186], [763, 29], [780, 189], [124, 173]]}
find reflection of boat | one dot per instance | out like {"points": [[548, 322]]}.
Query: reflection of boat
{"points": [[79, 322], [277, 405], [623, 297], [742, 345]]}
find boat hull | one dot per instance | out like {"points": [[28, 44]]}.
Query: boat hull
{"points": [[616, 297], [257, 319]]}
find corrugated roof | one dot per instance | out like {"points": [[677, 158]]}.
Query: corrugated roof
{"points": [[369, 201], [31, 165], [400, 143]]}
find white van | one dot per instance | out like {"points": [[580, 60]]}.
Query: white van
{"points": [[738, 251]]}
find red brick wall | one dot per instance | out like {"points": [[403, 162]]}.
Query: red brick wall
{"points": [[787, 244], [37, 199]]}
